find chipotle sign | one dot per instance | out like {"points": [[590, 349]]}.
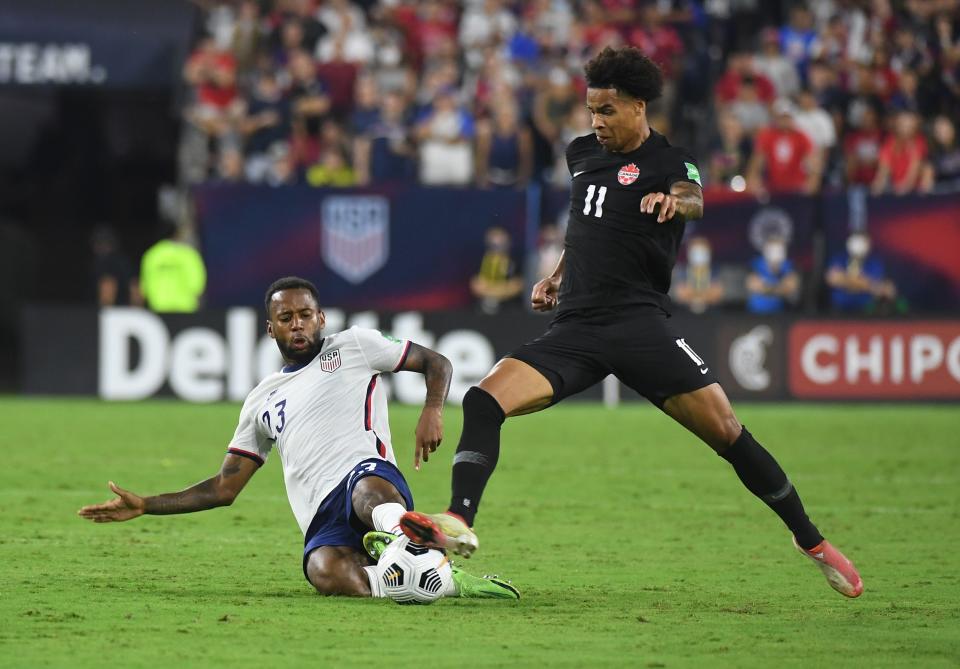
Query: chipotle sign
{"points": [[883, 360]]}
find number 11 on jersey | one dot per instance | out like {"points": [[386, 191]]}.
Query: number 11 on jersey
{"points": [[601, 194]]}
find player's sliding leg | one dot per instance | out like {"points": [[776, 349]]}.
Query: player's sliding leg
{"points": [[462, 584], [707, 413], [342, 570], [512, 388]]}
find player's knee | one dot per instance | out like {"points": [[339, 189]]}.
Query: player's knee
{"points": [[479, 403], [727, 429], [372, 491]]}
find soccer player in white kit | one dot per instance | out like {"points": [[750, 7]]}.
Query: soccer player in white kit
{"points": [[327, 417]]}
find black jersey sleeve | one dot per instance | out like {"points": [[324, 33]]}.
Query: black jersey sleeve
{"points": [[680, 166]]}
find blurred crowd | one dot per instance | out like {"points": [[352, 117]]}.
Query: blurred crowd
{"points": [[772, 96]]}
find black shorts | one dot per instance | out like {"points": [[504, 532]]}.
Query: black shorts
{"points": [[638, 345]]}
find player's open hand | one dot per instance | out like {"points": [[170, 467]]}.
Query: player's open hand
{"points": [[667, 202], [125, 506], [544, 294], [429, 434]]}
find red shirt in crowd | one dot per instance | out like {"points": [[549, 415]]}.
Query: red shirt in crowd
{"points": [[224, 68], [784, 151], [728, 87], [900, 156], [862, 151], [661, 44]]}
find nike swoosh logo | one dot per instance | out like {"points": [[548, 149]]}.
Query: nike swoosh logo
{"points": [[576, 174], [704, 370]]}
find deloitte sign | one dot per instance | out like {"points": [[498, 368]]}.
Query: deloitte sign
{"points": [[221, 356]]}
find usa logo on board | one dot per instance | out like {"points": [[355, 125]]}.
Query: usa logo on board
{"points": [[628, 174], [355, 235], [330, 362]]}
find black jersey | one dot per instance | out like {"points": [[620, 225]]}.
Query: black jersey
{"points": [[614, 254]]}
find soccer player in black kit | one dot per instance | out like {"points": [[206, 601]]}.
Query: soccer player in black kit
{"points": [[631, 194]]}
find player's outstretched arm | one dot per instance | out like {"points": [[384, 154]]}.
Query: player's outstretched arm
{"points": [[219, 490], [685, 198], [436, 370]]}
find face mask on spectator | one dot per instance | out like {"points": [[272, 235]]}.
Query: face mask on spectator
{"points": [[774, 253], [858, 246]]}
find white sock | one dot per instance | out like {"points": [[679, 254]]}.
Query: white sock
{"points": [[375, 589], [386, 517], [452, 589]]}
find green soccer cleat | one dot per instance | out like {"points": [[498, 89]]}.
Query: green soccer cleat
{"points": [[487, 587], [375, 543]]}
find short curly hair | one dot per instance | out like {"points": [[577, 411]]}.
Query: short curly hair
{"points": [[289, 283], [627, 70]]}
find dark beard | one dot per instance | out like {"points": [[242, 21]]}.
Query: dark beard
{"points": [[301, 357]]}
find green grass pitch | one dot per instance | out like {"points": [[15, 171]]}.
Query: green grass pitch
{"points": [[633, 545]]}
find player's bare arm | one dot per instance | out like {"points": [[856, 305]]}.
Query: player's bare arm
{"points": [[437, 371], [219, 490], [544, 294], [685, 198]]}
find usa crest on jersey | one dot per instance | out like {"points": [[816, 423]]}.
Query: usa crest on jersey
{"points": [[628, 174], [330, 362]]}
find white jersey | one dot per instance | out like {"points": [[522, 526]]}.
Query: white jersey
{"points": [[324, 417]]}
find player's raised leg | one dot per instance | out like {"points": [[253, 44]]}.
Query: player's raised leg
{"points": [[512, 388], [707, 413]]}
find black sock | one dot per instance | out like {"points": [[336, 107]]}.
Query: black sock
{"points": [[477, 452], [762, 476]]}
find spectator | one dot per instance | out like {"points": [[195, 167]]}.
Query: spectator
{"points": [[902, 155], [310, 105], [798, 39], [116, 283], [213, 74], [230, 164], [283, 166], [814, 121], [942, 169], [739, 67], [504, 149], [172, 275], [697, 290], [904, 98], [660, 42], [730, 153], [484, 23], [774, 66], [496, 283], [349, 43], [861, 148], [366, 108], [332, 170], [445, 132], [386, 152], [309, 30], [857, 278], [786, 154], [554, 105], [247, 38], [773, 283], [748, 107], [265, 122]]}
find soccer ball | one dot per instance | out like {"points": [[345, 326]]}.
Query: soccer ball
{"points": [[413, 574]]}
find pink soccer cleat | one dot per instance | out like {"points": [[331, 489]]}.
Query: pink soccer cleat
{"points": [[840, 572]]}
